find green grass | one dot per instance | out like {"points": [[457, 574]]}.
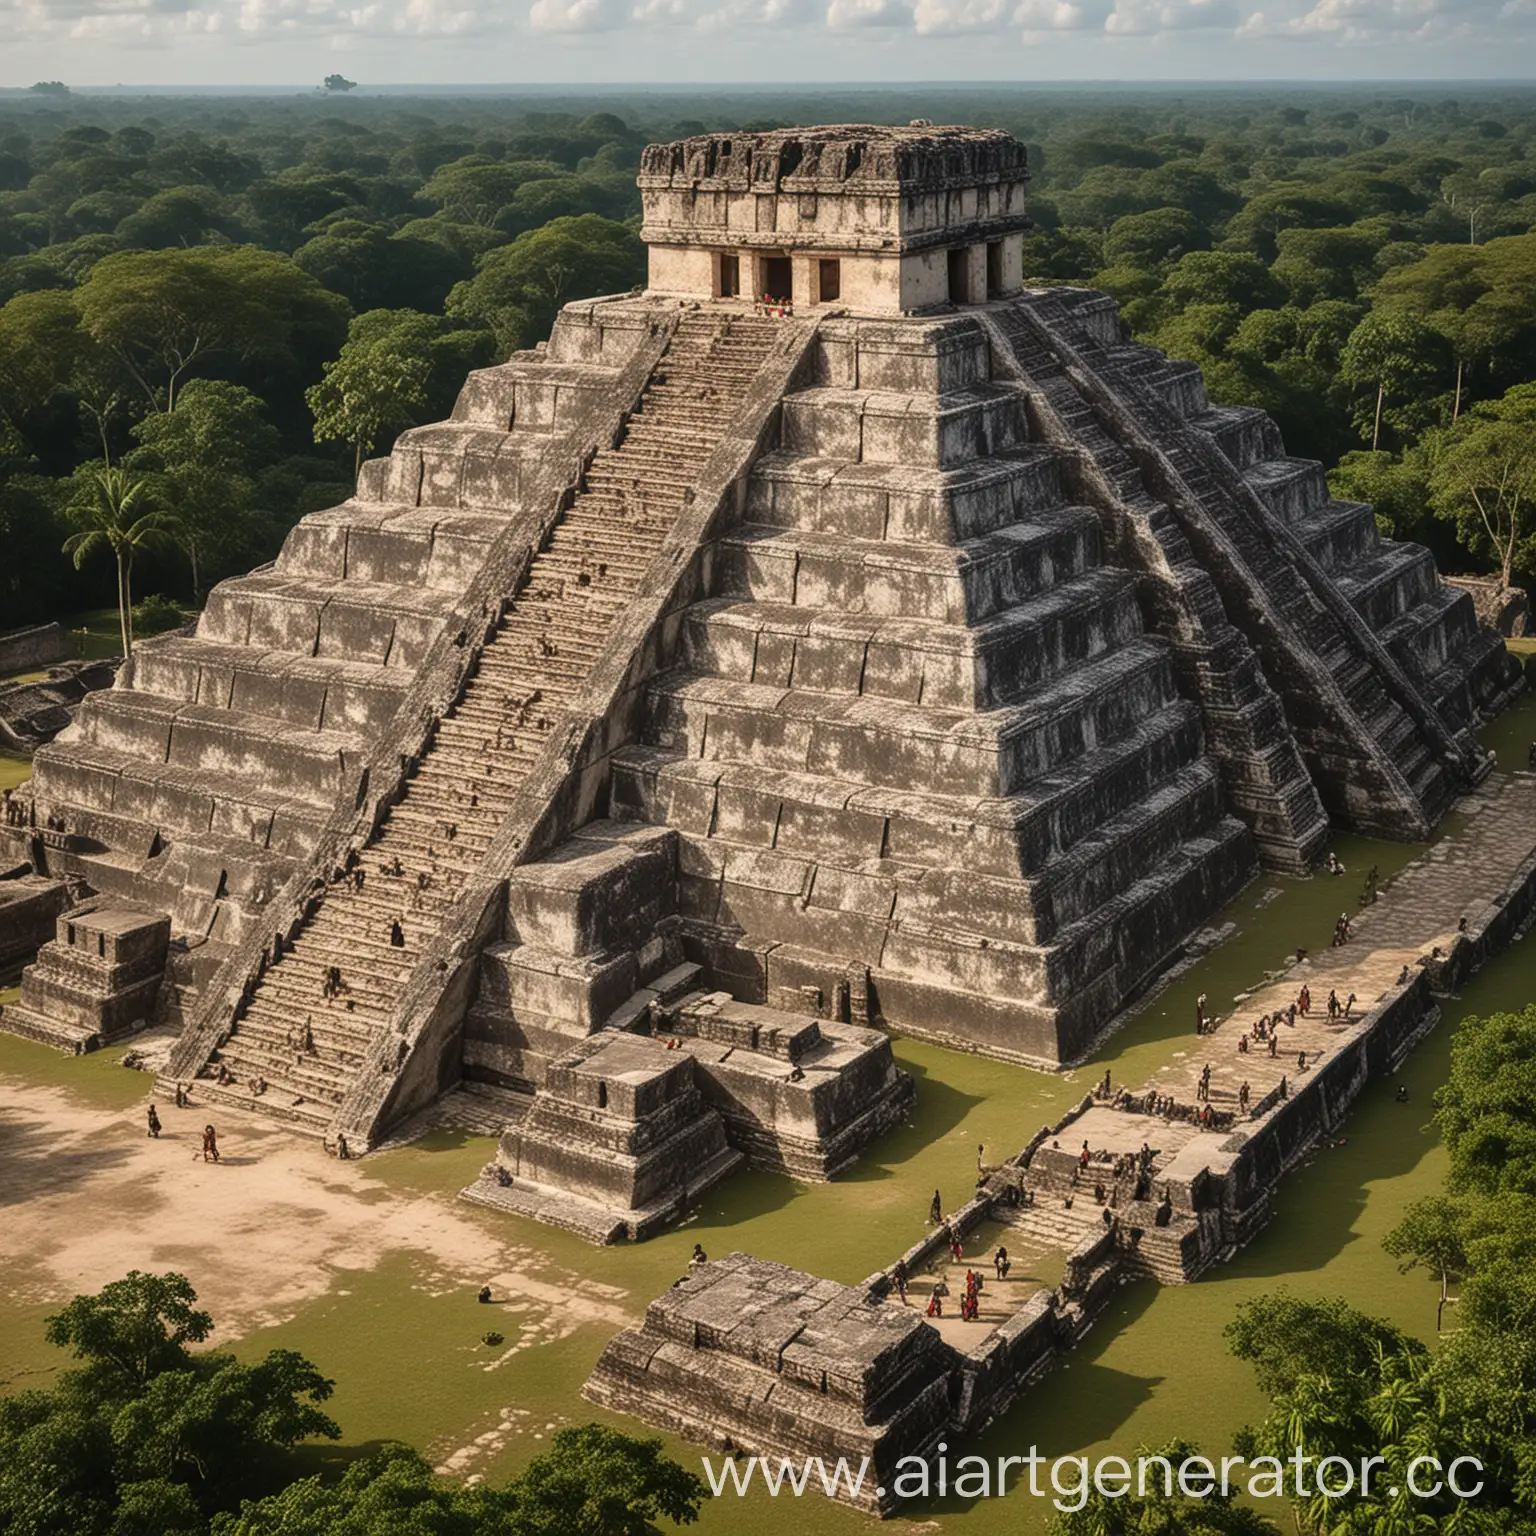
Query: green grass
{"points": [[14, 769], [1154, 1367], [96, 1079], [96, 631]]}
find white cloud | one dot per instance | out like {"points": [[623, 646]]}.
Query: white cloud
{"points": [[937, 18], [577, 15], [1063, 15], [161, 23], [748, 13], [1442, 32], [843, 15], [1371, 21], [1148, 18]]}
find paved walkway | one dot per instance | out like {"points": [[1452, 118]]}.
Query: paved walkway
{"points": [[1459, 877], [1032, 1267]]}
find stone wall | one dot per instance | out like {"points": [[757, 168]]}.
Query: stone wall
{"points": [[96, 981], [23, 650], [29, 908], [749, 1355]]}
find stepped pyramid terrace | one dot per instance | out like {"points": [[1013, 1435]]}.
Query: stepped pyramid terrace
{"points": [[842, 636]]}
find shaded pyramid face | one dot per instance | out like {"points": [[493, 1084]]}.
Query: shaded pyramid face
{"points": [[918, 725], [1462, 668], [1381, 669]]}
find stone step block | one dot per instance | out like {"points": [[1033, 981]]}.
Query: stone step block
{"points": [[1181, 385], [135, 798], [877, 741], [320, 692], [1431, 635], [1243, 432], [956, 584], [1398, 578], [389, 545], [1292, 488], [811, 815], [152, 728], [921, 355], [938, 431], [997, 662], [359, 621], [903, 502], [1339, 534], [599, 894], [837, 905], [1047, 1003], [515, 979]]}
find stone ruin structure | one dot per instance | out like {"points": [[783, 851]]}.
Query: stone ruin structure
{"points": [[35, 711], [97, 981], [748, 1357], [748, 1352], [840, 634]]}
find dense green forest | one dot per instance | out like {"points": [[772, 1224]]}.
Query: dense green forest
{"points": [[215, 306]]}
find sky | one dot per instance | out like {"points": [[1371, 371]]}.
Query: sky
{"points": [[465, 42]]}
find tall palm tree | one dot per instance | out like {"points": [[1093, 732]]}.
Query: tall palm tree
{"points": [[115, 507]]}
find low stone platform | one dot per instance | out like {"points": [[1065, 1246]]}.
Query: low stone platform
{"points": [[1437, 920], [787, 1092], [799, 1095], [96, 981], [617, 1145], [751, 1355]]}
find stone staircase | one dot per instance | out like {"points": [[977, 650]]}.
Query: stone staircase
{"points": [[1263, 776], [1048, 1225], [308, 1046], [1381, 755]]}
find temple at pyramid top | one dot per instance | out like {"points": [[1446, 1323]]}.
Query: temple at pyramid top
{"points": [[874, 220]]}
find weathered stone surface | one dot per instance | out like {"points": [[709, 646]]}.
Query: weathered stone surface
{"points": [[759, 1357], [799, 1095], [619, 1142], [41, 645], [937, 743], [1504, 610], [29, 909], [886, 220], [234, 745], [34, 712]]}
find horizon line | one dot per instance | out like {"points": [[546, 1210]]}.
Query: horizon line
{"points": [[759, 86]]}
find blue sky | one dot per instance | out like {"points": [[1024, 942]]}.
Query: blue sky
{"points": [[272, 42]]}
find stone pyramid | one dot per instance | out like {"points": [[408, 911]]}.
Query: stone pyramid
{"points": [[842, 628]]}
